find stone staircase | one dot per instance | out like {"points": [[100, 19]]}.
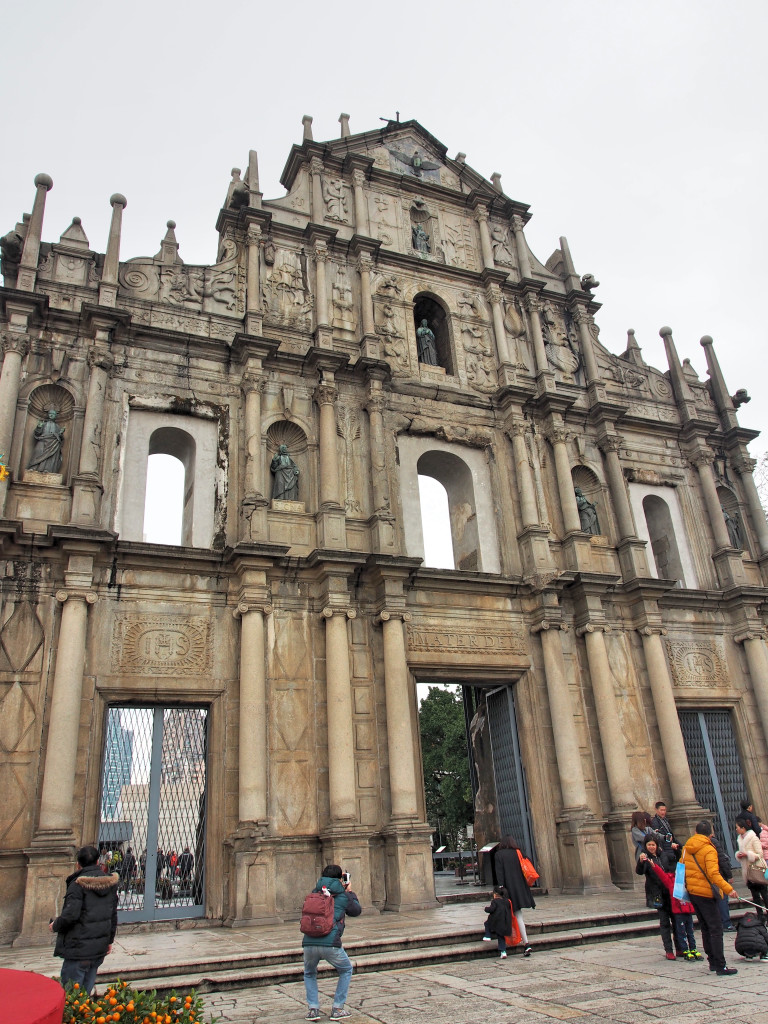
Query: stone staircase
{"points": [[277, 966]]}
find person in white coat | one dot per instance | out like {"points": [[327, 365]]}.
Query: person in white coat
{"points": [[751, 853]]}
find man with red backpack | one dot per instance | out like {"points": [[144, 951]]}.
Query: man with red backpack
{"points": [[325, 908]]}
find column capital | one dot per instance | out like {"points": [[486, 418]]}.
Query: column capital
{"points": [[253, 234], [593, 627], [743, 463], [749, 634], [493, 293], [76, 595], [252, 381], [244, 607], [387, 614], [610, 442], [546, 624], [376, 403], [15, 341], [652, 630], [481, 213], [101, 358], [580, 314], [517, 222], [328, 612], [316, 165], [320, 252], [701, 456], [531, 302], [358, 177], [556, 434], [326, 393], [364, 263]]}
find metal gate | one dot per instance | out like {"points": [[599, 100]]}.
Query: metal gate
{"points": [[508, 770], [153, 806], [718, 780]]}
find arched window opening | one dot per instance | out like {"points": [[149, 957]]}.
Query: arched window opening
{"points": [[172, 450], [456, 478], [164, 503], [663, 542], [436, 524], [427, 308]]}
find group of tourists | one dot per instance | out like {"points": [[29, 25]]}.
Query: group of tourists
{"points": [[705, 867]]}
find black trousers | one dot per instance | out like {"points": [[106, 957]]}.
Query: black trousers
{"points": [[759, 894], [708, 914]]}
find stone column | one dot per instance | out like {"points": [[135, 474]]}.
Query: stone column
{"points": [[253, 386], [532, 305], [361, 214], [522, 248], [400, 738], [528, 508], [364, 267], [611, 737], [757, 662], [252, 716], [326, 396], [702, 459], [341, 748], [610, 445], [493, 294], [481, 216], [379, 481], [584, 321], [88, 488], [108, 286], [15, 346], [29, 256], [321, 299], [566, 740], [745, 466], [253, 311], [672, 743], [557, 438], [316, 177], [56, 803]]}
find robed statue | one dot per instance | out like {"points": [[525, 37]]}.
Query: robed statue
{"points": [[587, 513], [285, 486], [425, 342], [732, 526], [49, 439]]}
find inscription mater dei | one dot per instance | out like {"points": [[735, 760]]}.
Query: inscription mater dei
{"points": [[163, 646], [491, 641]]}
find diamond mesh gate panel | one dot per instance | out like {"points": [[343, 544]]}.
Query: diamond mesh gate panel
{"points": [[718, 780], [511, 796], [153, 822]]}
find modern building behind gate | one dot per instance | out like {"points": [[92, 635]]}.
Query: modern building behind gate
{"points": [[383, 320]]}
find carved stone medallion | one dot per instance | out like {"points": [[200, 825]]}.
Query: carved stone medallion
{"points": [[161, 645], [697, 662]]}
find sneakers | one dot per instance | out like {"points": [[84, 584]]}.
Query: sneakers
{"points": [[722, 971], [503, 955], [486, 938], [313, 1013], [339, 1013], [764, 956], [528, 950], [670, 956], [692, 954]]}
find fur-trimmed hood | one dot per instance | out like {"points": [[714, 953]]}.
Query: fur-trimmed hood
{"points": [[98, 884]]}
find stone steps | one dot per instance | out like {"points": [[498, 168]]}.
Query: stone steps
{"points": [[278, 966]]}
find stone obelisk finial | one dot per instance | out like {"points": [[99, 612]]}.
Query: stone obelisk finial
{"points": [[29, 256]]}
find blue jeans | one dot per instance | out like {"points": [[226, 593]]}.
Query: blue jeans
{"points": [[82, 972], [337, 958]]}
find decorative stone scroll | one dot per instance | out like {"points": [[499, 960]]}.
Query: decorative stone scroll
{"points": [[163, 645], [488, 641], [697, 662]]}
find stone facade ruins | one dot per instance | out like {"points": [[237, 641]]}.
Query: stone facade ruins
{"points": [[303, 625]]}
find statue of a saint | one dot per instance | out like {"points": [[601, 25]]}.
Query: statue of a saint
{"points": [[420, 239], [49, 438], [587, 513], [734, 532], [285, 486], [425, 341]]}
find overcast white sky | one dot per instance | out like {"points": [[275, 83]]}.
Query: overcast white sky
{"points": [[638, 131]]}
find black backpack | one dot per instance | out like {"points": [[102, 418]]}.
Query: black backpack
{"points": [[751, 936]]}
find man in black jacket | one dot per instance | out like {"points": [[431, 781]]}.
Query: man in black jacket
{"points": [[660, 825], [88, 921]]}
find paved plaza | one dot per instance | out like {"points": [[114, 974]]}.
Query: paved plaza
{"points": [[626, 982]]}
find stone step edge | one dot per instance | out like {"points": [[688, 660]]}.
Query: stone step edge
{"points": [[361, 946], [276, 974]]}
